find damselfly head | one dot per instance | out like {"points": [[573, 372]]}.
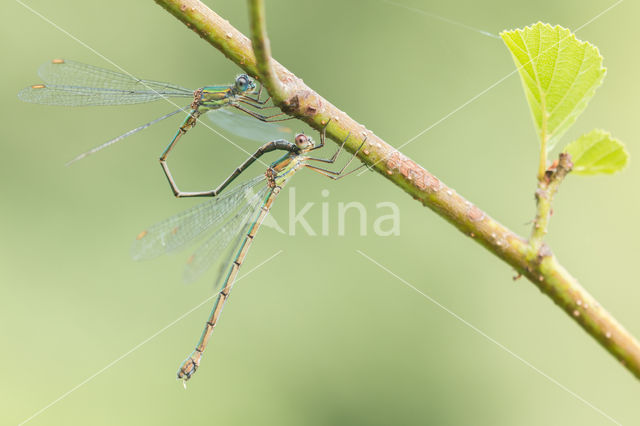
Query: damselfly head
{"points": [[244, 83], [303, 141]]}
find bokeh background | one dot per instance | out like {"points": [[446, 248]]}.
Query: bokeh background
{"points": [[318, 335]]}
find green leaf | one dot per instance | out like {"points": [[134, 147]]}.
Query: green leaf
{"points": [[559, 73], [597, 152]]}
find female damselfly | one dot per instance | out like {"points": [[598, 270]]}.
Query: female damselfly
{"points": [[235, 216], [70, 83]]}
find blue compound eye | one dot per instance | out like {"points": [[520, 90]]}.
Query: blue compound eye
{"points": [[242, 82]]}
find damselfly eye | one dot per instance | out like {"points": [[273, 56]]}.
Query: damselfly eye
{"points": [[242, 82], [301, 139]]}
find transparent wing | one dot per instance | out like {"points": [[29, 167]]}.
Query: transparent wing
{"points": [[184, 227], [72, 84], [71, 73], [124, 135], [231, 231], [245, 126], [87, 96]]}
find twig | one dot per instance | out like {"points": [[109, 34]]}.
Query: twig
{"points": [[547, 188], [262, 50], [540, 266]]}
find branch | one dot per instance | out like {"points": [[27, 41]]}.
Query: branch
{"points": [[540, 266]]}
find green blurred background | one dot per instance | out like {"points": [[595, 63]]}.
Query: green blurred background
{"points": [[319, 335]]}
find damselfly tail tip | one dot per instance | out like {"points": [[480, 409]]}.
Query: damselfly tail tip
{"points": [[189, 366]]}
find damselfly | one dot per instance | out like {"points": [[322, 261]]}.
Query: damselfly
{"points": [[233, 218], [70, 83]]}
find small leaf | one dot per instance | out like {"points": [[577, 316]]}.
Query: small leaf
{"points": [[559, 73], [597, 152]]}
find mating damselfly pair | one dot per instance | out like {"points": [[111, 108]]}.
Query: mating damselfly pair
{"points": [[231, 219]]}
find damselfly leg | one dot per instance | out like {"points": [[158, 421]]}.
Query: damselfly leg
{"points": [[339, 174], [263, 118], [332, 159]]}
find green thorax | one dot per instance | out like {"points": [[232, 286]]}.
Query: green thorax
{"points": [[214, 97], [286, 167]]}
